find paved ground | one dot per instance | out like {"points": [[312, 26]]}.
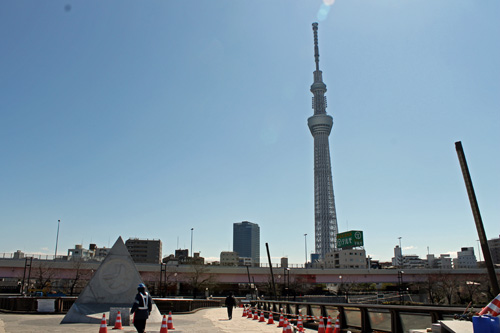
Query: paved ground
{"points": [[203, 321]]}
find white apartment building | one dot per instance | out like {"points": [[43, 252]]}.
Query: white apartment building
{"points": [[348, 258], [465, 258], [229, 258]]}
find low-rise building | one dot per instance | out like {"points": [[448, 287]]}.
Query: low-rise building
{"points": [[413, 261], [144, 250], [245, 261], [349, 258], [465, 258], [443, 262], [92, 253], [229, 258], [80, 253]]}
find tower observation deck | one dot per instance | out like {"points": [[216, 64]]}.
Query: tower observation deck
{"points": [[320, 125]]}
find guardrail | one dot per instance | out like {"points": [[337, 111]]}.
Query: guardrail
{"points": [[63, 304], [362, 317]]}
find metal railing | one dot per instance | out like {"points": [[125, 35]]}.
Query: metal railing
{"points": [[63, 304], [361, 317]]}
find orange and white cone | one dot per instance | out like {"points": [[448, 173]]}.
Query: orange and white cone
{"points": [[250, 315], [282, 320], [271, 319], [337, 326], [321, 326], [300, 325], [118, 321], [170, 324], [285, 326], [256, 315], [244, 312], [164, 328], [262, 319], [329, 328], [104, 327], [493, 308]]}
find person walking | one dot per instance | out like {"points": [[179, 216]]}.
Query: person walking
{"points": [[230, 304], [142, 307]]}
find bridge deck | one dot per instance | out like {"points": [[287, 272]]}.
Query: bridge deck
{"points": [[204, 321]]}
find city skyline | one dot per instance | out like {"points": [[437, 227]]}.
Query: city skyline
{"points": [[148, 119]]}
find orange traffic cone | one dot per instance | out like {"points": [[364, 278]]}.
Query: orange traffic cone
{"points": [[329, 328], [300, 325], [337, 326], [262, 319], [164, 328], [104, 327], [118, 322], [285, 326], [170, 324], [271, 319], [282, 321], [244, 312], [250, 315], [256, 315], [321, 326]]}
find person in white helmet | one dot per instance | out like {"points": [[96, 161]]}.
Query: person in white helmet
{"points": [[142, 308]]}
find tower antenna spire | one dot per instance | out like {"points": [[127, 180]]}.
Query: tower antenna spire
{"points": [[320, 125], [316, 48]]}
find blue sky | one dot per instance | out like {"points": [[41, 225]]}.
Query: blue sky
{"points": [[146, 119]]}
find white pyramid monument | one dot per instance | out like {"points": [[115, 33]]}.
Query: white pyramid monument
{"points": [[114, 284]]}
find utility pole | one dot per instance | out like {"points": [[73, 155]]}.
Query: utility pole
{"points": [[477, 218], [271, 269]]}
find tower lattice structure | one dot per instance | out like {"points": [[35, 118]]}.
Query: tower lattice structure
{"points": [[320, 125]]}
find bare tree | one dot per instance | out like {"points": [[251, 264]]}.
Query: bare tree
{"points": [[448, 286], [43, 275], [431, 286], [200, 278], [81, 276]]}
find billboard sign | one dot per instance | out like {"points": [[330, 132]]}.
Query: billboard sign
{"points": [[350, 239]]}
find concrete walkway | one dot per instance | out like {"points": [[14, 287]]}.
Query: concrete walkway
{"points": [[203, 321]]}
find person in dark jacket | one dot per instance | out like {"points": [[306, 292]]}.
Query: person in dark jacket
{"points": [[142, 307], [230, 304]]}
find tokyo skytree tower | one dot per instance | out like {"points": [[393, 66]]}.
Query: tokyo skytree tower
{"points": [[320, 125]]}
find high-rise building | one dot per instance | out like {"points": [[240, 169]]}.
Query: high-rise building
{"points": [[246, 241], [320, 125], [144, 250], [494, 245]]}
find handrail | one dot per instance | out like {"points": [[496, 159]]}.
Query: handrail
{"points": [[363, 317]]}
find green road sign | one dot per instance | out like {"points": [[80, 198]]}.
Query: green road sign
{"points": [[350, 239]]}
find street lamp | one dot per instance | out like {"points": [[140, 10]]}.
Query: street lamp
{"points": [[286, 271], [400, 282], [57, 238], [305, 241], [400, 253], [192, 242]]}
